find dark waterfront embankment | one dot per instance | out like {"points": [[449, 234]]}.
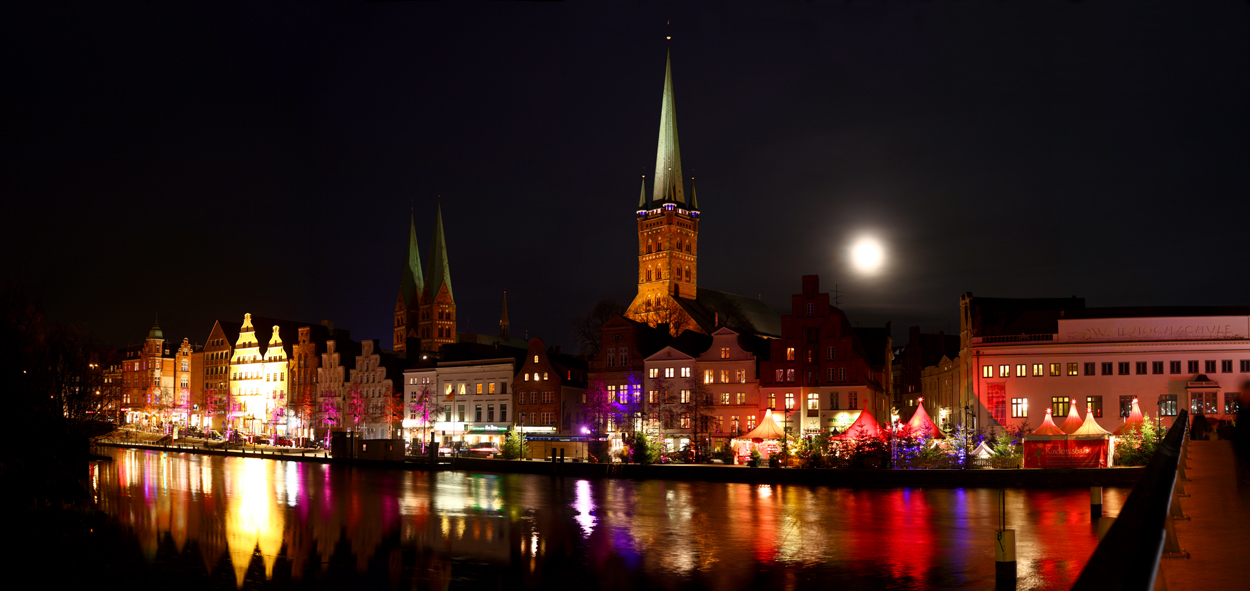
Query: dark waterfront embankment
{"points": [[835, 477]]}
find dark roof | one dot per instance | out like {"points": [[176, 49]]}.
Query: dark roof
{"points": [[647, 338], [874, 340], [712, 309], [1015, 316], [479, 351], [1159, 311], [691, 343]]}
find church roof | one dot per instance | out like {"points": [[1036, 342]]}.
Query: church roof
{"points": [[440, 273], [668, 184], [411, 281], [712, 309], [156, 332]]}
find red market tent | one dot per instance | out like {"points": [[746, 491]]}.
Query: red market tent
{"points": [[865, 425], [1048, 427], [1073, 422], [1134, 421], [921, 423], [1050, 447]]}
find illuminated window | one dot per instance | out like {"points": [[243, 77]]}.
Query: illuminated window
{"points": [[789, 400], [789, 375], [479, 387], [789, 353], [463, 390], [742, 397], [685, 397], [685, 372], [781, 375], [1038, 370], [724, 398], [544, 376], [1055, 369], [535, 359], [1059, 406], [491, 389], [750, 422], [813, 401], [987, 371], [724, 352], [1004, 371], [1094, 404], [772, 400], [652, 397], [724, 376], [527, 377], [1019, 408], [668, 372], [1020, 370], [653, 372], [1232, 403]]}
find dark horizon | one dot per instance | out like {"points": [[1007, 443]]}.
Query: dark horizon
{"points": [[204, 160]]}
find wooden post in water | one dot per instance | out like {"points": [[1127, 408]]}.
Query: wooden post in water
{"points": [[1095, 503], [1004, 548]]}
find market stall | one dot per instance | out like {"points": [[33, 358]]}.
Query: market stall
{"points": [[920, 423], [865, 425], [765, 439], [1050, 447]]}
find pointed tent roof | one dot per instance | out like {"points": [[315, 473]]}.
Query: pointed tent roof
{"points": [[865, 425], [668, 185], [440, 273], [1134, 421], [1073, 422], [983, 450], [1090, 427], [411, 281], [1048, 427], [767, 429], [920, 421]]}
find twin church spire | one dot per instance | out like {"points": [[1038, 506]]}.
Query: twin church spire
{"points": [[425, 310]]}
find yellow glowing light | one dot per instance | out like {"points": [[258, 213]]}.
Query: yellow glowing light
{"points": [[867, 255]]}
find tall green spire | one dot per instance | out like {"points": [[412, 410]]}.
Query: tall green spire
{"points": [[411, 281], [440, 273], [668, 185]]}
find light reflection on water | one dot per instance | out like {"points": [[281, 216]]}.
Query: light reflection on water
{"points": [[249, 520]]}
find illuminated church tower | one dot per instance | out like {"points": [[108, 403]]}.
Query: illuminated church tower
{"points": [[668, 229], [424, 309]]}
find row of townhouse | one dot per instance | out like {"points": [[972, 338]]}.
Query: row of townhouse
{"points": [[819, 374]]}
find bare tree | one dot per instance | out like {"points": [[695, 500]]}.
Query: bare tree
{"points": [[586, 329]]}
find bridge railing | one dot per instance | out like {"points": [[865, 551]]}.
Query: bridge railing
{"points": [[1128, 555]]}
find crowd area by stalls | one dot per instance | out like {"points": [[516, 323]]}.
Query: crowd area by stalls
{"points": [[919, 427], [1077, 443], [765, 439]]}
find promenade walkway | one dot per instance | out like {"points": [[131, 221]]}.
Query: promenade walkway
{"points": [[1218, 528]]}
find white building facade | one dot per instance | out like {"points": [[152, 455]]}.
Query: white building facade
{"points": [[1100, 364], [475, 400]]}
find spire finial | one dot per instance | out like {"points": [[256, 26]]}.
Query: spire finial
{"points": [[668, 30]]}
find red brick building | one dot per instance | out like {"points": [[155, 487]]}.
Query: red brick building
{"points": [[819, 375]]}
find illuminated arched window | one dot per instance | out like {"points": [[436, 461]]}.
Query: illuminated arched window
{"points": [[544, 376], [687, 273]]}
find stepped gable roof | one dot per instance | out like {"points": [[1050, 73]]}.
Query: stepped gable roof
{"points": [[865, 425], [1048, 427], [711, 309], [874, 341], [920, 422], [1015, 316], [1073, 422]]}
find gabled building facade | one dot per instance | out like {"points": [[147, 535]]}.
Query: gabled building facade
{"points": [[728, 372], [818, 375]]}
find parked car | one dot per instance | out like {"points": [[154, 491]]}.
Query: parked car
{"points": [[283, 441], [483, 450]]}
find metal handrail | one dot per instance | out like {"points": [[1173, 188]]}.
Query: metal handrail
{"points": [[1128, 556]]}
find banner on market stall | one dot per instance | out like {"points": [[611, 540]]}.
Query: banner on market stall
{"points": [[1062, 452]]}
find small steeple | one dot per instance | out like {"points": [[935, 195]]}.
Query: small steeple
{"points": [[668, 183], [503, 318], [440, 273], [156, 333], [642, 196], [694, 198], [411, 280]]}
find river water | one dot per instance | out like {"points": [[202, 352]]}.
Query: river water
{"points": [[217, 522]]}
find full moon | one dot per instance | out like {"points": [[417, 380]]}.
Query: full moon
{"points": [[867, 255]]}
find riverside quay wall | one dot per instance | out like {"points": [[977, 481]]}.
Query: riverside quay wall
{"points": [[835, 477]]}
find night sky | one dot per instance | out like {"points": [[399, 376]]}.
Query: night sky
{"points": [[202, 160]]}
